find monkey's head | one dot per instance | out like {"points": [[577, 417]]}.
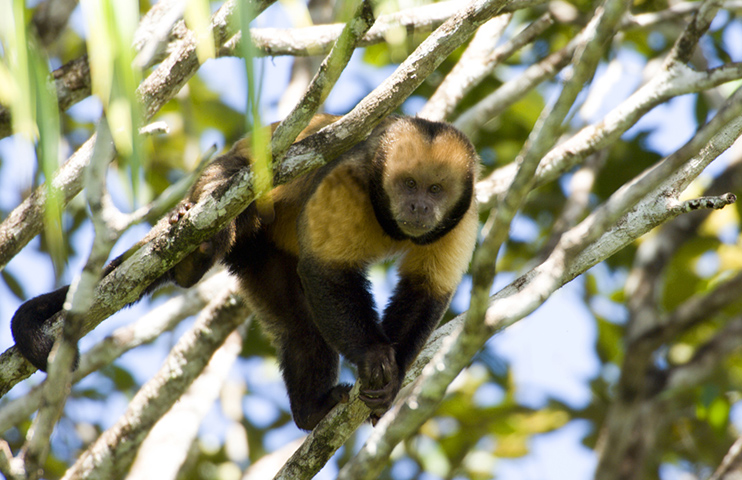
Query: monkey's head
{"points": [[424, 174]]}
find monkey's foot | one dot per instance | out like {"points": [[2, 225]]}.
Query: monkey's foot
{"points": [[206, 248], [308, 418]]}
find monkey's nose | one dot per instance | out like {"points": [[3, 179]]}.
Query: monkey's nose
{"points": [[419, 208]]}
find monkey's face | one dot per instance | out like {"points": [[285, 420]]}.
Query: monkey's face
{"points": [[419, 202], [424, 178]]}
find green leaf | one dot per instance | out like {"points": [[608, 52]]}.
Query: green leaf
{"points": [[13, 285]]}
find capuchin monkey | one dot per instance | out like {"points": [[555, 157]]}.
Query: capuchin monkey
{"points": [[405, 192]]}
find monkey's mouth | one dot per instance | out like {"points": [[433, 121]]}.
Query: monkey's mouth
{"points": [[415, 228]]}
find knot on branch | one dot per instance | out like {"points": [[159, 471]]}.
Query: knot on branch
{"points": [[716, 203]]}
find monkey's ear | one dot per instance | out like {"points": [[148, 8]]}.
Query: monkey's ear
{"points": [[31, 326]]}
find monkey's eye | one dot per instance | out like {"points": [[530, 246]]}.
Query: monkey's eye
{"points": [[410, 183], [435, 189]]}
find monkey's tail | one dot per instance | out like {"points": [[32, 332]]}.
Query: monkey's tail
{"points": [[31, 328]]}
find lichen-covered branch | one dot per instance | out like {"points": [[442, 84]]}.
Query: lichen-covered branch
{"points": [[147, 329], [322, 83], [110, 456], [523, 296]]}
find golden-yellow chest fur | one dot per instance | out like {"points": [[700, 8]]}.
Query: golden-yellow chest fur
{"points": [[328, 214], [339, 227], [339, 224]]}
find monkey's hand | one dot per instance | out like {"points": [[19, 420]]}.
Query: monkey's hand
{"points": [[380, 380]]}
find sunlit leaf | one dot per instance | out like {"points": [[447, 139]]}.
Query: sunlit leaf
{"points": [[20, 94], [198, 17], [610, 346], [730, 257], [13, 285]]}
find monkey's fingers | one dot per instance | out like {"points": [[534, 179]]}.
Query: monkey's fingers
{"points": [[340, 393], [374, 398], [374, 418], [179, 211]]}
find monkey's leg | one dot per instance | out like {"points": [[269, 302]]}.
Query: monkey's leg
{"points": [[410, 317], [308, 363], [310, 370]]}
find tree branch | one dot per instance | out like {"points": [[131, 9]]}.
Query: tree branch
{"points": [[147, 329], [580, 186], [455, 344], [166, 447], [700, 22], [111, 455], [477, 61], [322, 83], [495, 103], [317, 40], [50, 18], [731, 466]]}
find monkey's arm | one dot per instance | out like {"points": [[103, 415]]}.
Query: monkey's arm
{"points": [[429, 275], [410, 317], [344, 313]]}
